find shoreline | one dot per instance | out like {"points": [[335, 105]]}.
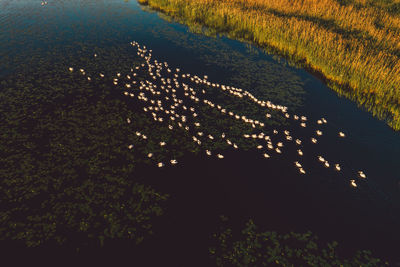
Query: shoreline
{"points": [[357, 85]]}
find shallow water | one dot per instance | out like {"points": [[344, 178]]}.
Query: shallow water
{"points": [[47, 40]]}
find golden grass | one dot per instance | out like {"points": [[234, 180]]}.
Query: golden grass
{"points": [[355, 46]]}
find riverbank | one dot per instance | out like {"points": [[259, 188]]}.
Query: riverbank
{"points": [[354, 45]]}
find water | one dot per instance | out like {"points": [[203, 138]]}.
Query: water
{"points": [[42, 42]]}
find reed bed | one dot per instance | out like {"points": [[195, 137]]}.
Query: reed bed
{"points": [[354, 44]]}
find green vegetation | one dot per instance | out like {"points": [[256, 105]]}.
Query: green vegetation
{"points": [[68, 175], [354, 44], [254, 248]]}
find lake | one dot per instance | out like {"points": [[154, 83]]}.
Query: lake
{"points": [[39, 43]]}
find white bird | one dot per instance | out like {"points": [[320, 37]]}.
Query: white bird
{"points": [[169, 91], [150, 155], [337, 167], [160, 164], [362, 174], [71, 69], [353, 183], [298, 165]]}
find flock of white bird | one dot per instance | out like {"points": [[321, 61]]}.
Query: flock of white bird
{"points": [[159, 95]]}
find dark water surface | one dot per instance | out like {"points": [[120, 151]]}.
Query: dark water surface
{"points": [[243, 185]]}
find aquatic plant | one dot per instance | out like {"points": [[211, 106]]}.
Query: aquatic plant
{"points": [[252, 247], [81, 136], [65, 178], [354, 45]]}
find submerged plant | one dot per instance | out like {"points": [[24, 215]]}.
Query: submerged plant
{"points": [[252, 247]]}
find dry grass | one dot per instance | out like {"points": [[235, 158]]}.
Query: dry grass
{"points": [[356, 45]]}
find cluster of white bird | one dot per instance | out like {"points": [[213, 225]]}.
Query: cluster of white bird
{"points": [[44, 3], [174, 103]]}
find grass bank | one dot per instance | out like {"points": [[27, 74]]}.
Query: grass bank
{"points": [[354, 44]]}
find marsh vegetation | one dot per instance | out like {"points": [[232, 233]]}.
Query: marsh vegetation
{"points": [[252, 247], [65, 178]]}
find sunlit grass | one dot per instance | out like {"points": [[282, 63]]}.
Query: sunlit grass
{"points": [[354, 44]]}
